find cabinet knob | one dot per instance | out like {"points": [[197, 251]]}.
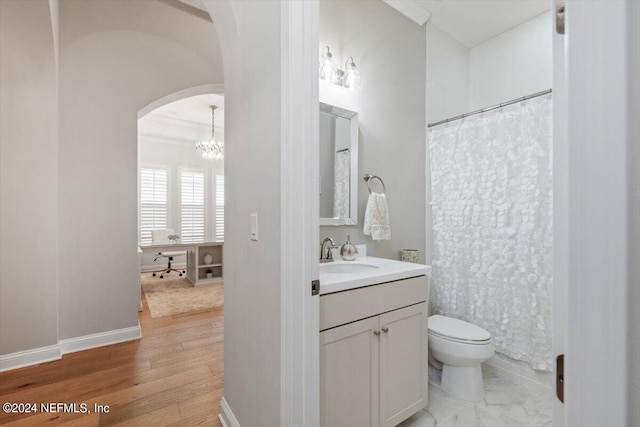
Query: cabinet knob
{"points": [[376, 333], [385, 329]]}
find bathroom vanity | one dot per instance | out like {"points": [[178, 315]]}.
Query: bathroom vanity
{"points": [[373, 342]]}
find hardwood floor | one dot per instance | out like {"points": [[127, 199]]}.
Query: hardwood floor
{"points": [[171, 377]]}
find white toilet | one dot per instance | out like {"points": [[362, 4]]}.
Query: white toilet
{"points": [[460, 347]]}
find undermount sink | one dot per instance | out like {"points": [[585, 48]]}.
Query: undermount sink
{"points": [[347, 268]]}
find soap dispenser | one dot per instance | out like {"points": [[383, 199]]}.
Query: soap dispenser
{"points": [[348, 251]]}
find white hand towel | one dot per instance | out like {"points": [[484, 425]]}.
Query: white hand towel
{"points": [[376, 217]]}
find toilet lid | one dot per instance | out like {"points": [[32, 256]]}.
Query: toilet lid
{"points": [[456, 329]]}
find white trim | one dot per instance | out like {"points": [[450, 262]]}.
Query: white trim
{"points": [[514, 368], [36, 356], [411, 10], [596, 362], [560, 210], [299, 322], [25, 358], [100, 339], [226, 416]]}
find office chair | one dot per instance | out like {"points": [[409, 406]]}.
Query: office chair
{"points": [[161, 236]]}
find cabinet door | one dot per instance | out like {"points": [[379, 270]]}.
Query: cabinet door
{"points": [[349, 375], [403, 363]]}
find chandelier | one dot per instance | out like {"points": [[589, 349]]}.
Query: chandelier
{"points": [[211, 148]]}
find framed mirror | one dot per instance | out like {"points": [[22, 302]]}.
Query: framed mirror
{"points": [[338, 166]]}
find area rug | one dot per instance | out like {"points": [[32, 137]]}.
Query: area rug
{"points": [[176, 295]]}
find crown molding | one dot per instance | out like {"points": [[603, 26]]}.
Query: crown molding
{"points": [[174, 121], [411, 10]]}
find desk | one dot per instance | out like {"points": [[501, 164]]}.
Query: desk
{"points": [[197, 269]]}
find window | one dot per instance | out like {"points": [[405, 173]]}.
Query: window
{"points": [[153, 202], [192, 206], [220, 207]]}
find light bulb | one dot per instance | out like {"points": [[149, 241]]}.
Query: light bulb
{"points": [[327, 66], [352, 75]]}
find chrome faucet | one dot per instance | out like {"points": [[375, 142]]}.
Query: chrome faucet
{"points": [[325, 251]]}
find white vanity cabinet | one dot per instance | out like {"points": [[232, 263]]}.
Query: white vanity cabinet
{"points": [[373, 354]]}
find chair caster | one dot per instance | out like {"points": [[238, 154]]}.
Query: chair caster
{"points": [[180, 274], [154, 274], [161, 276], [184, 271]]}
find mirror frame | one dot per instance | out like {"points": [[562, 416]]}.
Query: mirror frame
{"points": [[352, 116]]}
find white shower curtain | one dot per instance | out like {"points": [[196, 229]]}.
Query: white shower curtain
{"points": [[341, 184], [492, 226]]}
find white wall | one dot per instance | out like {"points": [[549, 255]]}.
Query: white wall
{"points": [[28, 178], [252, 347], [115, 58], [515, 63], [447, 76], [389, 50]]}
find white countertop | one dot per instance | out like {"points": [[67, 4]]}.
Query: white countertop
{"points": [[388, 271]]}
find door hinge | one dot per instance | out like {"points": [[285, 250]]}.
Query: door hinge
{"points": [[315, 287], [560, 377], [560, 6]]}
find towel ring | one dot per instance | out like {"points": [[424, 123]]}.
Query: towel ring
{"points": [[368, 177]]}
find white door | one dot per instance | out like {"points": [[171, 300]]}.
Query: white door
{"points": [[349, 380], [596, 87], [403, 363]]}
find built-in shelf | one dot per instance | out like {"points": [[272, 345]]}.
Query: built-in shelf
{"points": [[210, 265], [197, 269]]}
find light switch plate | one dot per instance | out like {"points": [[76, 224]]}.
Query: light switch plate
{"points": [[254, 227]]}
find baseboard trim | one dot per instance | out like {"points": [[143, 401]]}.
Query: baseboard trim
{"points": [[21, 359], [226, 416], [511, 367], [101, 339]]}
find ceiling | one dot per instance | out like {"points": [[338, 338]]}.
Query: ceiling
{"points": [[183, 121], [473, 22], [194, 109]]}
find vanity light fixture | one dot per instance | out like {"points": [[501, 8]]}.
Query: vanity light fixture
{"points": [[348, 78], [211, 148], [351, 78], [328, 70]]}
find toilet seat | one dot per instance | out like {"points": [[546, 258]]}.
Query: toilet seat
{"points": [[457, 330]]}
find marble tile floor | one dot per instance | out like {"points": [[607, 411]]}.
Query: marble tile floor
{"points": [[510, 401]]}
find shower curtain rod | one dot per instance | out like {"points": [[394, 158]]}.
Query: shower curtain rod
{"points": [[504, 104]]}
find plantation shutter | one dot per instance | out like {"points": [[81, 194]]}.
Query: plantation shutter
{"points": [[153, 202], [219, 207], [192, 207]]}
